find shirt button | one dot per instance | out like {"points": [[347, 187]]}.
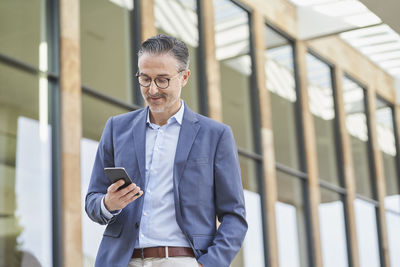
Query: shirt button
{"points": [[148, 190], [141, 235], [144, 213]]}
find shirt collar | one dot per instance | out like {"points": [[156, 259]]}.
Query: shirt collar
{"points": [[178, 116]]}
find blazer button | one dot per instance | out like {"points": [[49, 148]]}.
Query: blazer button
{"points": [[137, 224]]}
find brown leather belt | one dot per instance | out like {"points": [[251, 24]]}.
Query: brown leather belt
{"points": [[162, 252]]}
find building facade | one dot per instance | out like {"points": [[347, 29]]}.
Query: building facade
{"points": [[316, 123]]}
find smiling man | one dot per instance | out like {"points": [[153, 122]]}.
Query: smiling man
{"points": [[185, 174]]}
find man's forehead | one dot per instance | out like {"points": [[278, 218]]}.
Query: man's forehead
{"points": [[157, 64]]}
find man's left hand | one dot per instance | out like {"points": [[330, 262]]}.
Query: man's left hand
{"points": [[200, 265]]}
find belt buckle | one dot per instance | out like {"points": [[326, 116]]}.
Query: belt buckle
{"points": [[142, 253]]}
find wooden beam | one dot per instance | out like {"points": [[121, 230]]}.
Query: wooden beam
{"points": [[71, 132], [349, 177], [267, 140], [310, 152], [379, 176], [147, 19], [212, 65]]}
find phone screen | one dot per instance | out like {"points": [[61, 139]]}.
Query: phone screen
{"points": [[116, 173]]}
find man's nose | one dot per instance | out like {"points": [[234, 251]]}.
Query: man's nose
{"points": [[153, 89]]}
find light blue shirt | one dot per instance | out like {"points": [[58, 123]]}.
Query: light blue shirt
{"points": [[158, 225]]}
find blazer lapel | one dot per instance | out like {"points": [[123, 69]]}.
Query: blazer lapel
{"points": [[187, 135], [139, 137]]}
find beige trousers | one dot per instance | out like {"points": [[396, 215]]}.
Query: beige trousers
{"points": [[164, 262]]}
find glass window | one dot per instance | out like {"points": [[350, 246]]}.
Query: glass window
{"points": [[291, 222], [252, 252], [249, 174], [321, 103], [356, 124], [95, 113], [178, 18], [232, 51], [25, 168], [393, 229], [367, 234], [387, 145], [332, 229], [232, 42], [21, 21], [279, 71], [106, 56]]}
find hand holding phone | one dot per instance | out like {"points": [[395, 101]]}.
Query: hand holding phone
{"points": [[116, 173], [122, 191]]}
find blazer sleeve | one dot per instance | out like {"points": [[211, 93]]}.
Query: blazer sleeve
{"points": [[229, 203], [98, 181]]}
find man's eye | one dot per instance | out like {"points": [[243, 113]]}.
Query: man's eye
{"points": [[162, 81], [145, 79]]}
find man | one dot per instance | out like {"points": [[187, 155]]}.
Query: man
{"points": [[185, 173]]}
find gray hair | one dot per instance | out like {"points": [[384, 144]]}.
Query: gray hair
{"points": [[164, 44]]}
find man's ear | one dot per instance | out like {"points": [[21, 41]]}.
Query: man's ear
{"points": [[185, 76]]}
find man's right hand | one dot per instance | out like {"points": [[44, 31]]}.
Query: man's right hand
{"points": [[118, 199]]}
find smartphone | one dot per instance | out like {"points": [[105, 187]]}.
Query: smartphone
{"points": [[116, 173]]}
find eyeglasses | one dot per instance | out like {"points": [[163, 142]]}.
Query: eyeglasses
{"points": [[161, 82]]}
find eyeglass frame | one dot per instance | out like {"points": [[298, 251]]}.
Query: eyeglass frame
{"points": [[151, 79]]}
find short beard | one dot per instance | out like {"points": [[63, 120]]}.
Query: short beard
{"points": [[157, 109]]}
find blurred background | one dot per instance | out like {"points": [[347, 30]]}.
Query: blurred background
{"points": [[311, 89]]}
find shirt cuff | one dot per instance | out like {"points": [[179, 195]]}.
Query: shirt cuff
{"points": [[107, 214]]}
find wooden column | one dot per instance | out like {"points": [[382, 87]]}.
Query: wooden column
{"points": [[147, 19], [379, 176], [71, 132], [212, 65], [267, 139], [310, 152], [349, 177]]}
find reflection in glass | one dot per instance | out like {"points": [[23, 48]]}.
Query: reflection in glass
{"points": [[279, 71], [25, 170], [367, 234], [178, 18], [290, 222], [95, 114], [232, 44], [356, 124], [232, 51], [106, 47], [21, 21], [249, 174], [393, 229], [321, 103], [333, 230], [252, 254], [387, 145], [91, 232]]}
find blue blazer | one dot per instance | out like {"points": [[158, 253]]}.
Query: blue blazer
{"points": [[207, 185]]}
